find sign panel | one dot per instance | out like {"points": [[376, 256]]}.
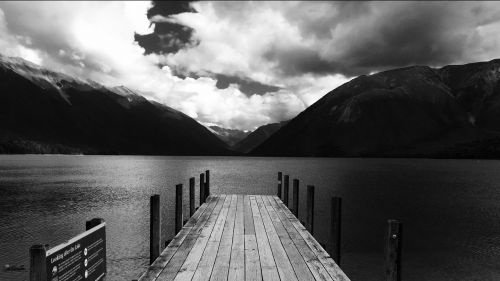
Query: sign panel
{"points": [[82, 258]]}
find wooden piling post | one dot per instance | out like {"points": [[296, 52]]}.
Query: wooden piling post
{"points": [[295, 196], [285, 190], [154, 228], [38, 265], [310, 209], [207, 184], [202, 188], [178, 208], [393, 250], [93, 223], [335, 230], [280, 178], [207, 180], [191, 197]]}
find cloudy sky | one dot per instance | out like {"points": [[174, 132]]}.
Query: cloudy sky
{"points": [[244, 64]]}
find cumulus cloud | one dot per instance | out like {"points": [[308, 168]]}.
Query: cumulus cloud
{"points": [[244, 64], [95, 40], [349, 38]]}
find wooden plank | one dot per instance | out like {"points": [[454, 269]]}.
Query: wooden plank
{"points": [[252, 260], [299, 265], [188, 269], [206, 264], [249, 226], [155, 269], [285, 269], [267, 263], [331, 267], [221, 266], [175, 263], [237, 263], [315, 266]]}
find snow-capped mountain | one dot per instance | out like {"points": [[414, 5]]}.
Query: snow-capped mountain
{"points": [[43, 111]]}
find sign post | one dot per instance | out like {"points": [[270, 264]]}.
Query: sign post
{"points": [[82, 258]]}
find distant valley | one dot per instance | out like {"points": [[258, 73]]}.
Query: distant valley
{"points": [[229, 136], [244, 142]]}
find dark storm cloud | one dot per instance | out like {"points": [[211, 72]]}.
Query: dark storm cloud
{"points": [[167, 37], [418, 33], [296, 61], [246, 86], [182, 73], [168, 8], [355, 38]]}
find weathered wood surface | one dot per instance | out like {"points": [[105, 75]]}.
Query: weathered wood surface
{"points": [[243, 237]]}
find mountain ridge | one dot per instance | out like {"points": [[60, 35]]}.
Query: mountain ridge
{"points": [[396, 112], [44, 111]]}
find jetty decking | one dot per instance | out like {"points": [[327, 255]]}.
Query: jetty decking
{"points": [[243, 237]]}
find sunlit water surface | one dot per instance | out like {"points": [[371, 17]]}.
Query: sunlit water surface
{"points": [[450, 208]]}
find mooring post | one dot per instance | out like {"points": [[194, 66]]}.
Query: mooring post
{"points": [[207, 184], [310, 209], [295, 196], [178, 208], [202, 188], [191, 196], [285, 191], [154, 228], [280, 178], [393, 250], [38, 265], [93, 223], [335, 230]]}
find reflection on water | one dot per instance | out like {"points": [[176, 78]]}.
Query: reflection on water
{"points": [[450, 208]]}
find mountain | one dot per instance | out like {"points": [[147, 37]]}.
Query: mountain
{"points": [[43, 111], [257, 137], [415, 111], [229, 136]]}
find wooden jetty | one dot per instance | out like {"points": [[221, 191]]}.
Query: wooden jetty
{"points": [[243, 237], [229, 237]]}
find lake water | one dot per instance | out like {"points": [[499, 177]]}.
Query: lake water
{"points": [[450, 208]]}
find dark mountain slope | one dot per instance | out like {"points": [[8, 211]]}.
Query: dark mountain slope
{"points": [[476, 87], [48, 112], [413, 111]]}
